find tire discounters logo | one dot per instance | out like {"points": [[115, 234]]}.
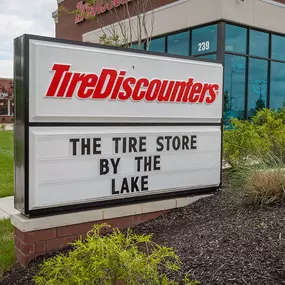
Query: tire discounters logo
{"points": [[85, 11], [116, 85]]}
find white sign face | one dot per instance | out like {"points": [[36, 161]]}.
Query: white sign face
{"points": [[75, 165], [100, 126], [90, 84]]}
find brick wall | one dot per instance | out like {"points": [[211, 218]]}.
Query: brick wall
{"points": [[6, 119], [280, 1], [29, 245], [67, 29]]}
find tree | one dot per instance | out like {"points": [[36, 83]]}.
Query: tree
{"points": [[132, 22], [8, 90], [259, 105]]}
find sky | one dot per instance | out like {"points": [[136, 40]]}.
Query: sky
{"points": [[19, 17]]}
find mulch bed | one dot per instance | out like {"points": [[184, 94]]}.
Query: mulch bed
{"points": [[221, 240]]}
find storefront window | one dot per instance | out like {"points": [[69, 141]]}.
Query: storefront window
{"points": [[178, 44], [204, 40], [277, 85], [259, 43], [3, 107], [209, 56], [234, 89], [278, 47], [157, 45], [141, 47], [257, 86], [236, 39]]}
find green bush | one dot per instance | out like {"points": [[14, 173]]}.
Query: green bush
{"points": [[2, 127], [265, 133], [114, 259], [241, 142]]}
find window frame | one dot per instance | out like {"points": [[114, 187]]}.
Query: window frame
{"points": [[248, 56], [221, 51]]}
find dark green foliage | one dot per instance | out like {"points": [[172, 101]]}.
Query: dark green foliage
{"points": [[264, 134]]}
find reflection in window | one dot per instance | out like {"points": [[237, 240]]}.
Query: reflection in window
{"points": [[178, 44], [259, 43], [234, 89], [209, 56], [278, 47], [257, 86], [277, 85], [141, 47], [204, 40], [157, 45], [236, 39], [3, 107]]}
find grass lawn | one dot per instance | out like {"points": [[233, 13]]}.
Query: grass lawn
{"points": [[6, 164], [7, 257]]}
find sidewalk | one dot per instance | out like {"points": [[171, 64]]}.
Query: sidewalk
{"points": [[7, 207], [8, 127]]}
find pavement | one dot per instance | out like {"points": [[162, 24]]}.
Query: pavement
{"points": [[9, 127], [7, 207]]}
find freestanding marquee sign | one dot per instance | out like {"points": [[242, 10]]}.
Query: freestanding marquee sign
{"points": [[97, 126]]}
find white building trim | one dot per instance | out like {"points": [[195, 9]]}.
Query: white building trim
{"points": [[274, 3], [189, 13]]}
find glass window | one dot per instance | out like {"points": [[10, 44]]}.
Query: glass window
{"points": [[278, 47], [259, 43], [236, 39], [257, 85], [141, 47], [234, 89], [157, 45], [3, 107], [204, 40], [209, 56], [178, 44], [277, 85]]}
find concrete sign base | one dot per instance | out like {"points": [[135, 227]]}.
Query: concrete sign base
{"points": [[38, 236]]}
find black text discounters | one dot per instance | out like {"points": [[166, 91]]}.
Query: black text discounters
{"points": [[98, 126]]}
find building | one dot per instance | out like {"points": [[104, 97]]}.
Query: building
{"points": [[248, 36], [6, 100]]}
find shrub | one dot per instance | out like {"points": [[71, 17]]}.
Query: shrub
{"points": [[241, 142], [264, 134], [263, 182], [114, 259], [2, 127]]}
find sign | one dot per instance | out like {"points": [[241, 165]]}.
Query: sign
{"points": [[87, 11], [99, 126]]}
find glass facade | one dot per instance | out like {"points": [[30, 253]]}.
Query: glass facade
{"points": [[277, 85], [157, 45], [204, 40], [200, 42], [236, 39], [257, 85], [259, 43], [278, 47], [254, 63], [264, 73], [178, 44], [212, 56], [234, 86]]}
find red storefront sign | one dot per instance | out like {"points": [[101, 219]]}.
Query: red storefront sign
{"points": [[85, 11]]}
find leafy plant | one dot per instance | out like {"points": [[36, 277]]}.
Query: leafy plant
{"points": [[114, 259], [241, 142], [265, 133], [2, 127]]}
